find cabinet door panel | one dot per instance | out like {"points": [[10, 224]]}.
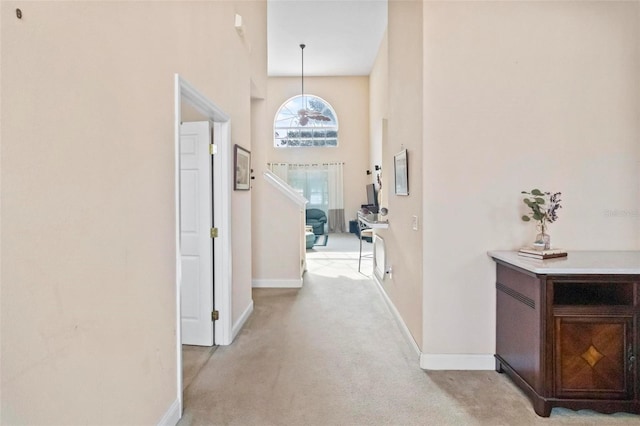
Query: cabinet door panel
{"points": [[591, 357]]}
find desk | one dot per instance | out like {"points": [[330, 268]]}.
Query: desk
{"points": [[372, 220], [568, 329]]}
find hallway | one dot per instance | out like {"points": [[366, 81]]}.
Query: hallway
{"points": [[331, 353]]}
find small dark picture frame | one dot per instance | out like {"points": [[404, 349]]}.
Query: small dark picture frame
{"points": [[242, 169], [401, 170]]}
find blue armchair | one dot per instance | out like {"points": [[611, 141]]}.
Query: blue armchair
{"points": [[316, 219]]}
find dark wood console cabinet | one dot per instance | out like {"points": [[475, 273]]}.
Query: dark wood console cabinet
{"points": [[569, 337]]}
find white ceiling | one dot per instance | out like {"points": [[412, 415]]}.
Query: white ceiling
{"points": [[342, 36]]}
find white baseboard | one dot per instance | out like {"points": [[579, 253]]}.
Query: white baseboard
{"points": [[172, 416], [399, 320], [240, 323], [457, 362], [438, 361], [295, 283]]}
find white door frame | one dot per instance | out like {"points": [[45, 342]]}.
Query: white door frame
{"points": [[184, 91]]}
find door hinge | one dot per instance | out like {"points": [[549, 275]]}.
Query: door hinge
{"points": [[214, 232], [215, 315], [213, 149]]}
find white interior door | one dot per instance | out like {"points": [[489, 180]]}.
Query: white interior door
{"points": [[195, 234]]}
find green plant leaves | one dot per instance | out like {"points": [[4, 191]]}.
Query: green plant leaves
{"points": [[538, 205]]}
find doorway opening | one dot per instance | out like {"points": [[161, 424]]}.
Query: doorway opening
{"points": [[187, 99]]}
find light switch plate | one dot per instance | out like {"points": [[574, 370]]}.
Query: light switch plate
{"points": [[414, 222]]}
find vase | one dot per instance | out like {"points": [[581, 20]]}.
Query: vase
{"points": [[543, 239]]}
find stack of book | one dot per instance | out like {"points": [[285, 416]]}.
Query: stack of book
{"points": [[542, 254]]}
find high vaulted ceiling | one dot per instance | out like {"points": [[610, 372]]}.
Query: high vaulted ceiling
{"points": [[342, 36]]}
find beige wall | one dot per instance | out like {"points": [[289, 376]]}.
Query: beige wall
{"points": [[378, 108], [521, 95], [254, 51], [496, 98], [88, 249], [400, 70], [277, 255], [349, 97]]}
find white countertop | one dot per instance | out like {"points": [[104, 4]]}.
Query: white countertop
{"points": [[576, 262], [372, 221]]}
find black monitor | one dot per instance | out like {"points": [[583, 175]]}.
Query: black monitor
{"points": [[372, 197]]}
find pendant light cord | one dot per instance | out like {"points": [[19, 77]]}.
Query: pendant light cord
{"points": [[302, 46]]}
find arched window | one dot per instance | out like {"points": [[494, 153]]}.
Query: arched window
{"points": [[305, 120]]}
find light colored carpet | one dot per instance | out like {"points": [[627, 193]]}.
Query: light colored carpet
{"points": [[193, 359], [332, 354]]}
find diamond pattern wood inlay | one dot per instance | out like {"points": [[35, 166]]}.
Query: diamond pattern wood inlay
{"points": [[592, 356]]}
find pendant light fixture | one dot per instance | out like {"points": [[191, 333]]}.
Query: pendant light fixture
{"points": [[305, 114]]}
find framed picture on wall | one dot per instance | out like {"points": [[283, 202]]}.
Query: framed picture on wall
{"points": [[242, 167], [401, 170]]}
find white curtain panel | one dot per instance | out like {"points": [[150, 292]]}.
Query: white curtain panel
{"points": [[335, 178]]}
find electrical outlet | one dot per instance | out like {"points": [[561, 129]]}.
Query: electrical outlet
{"points": [[414, 222]]}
